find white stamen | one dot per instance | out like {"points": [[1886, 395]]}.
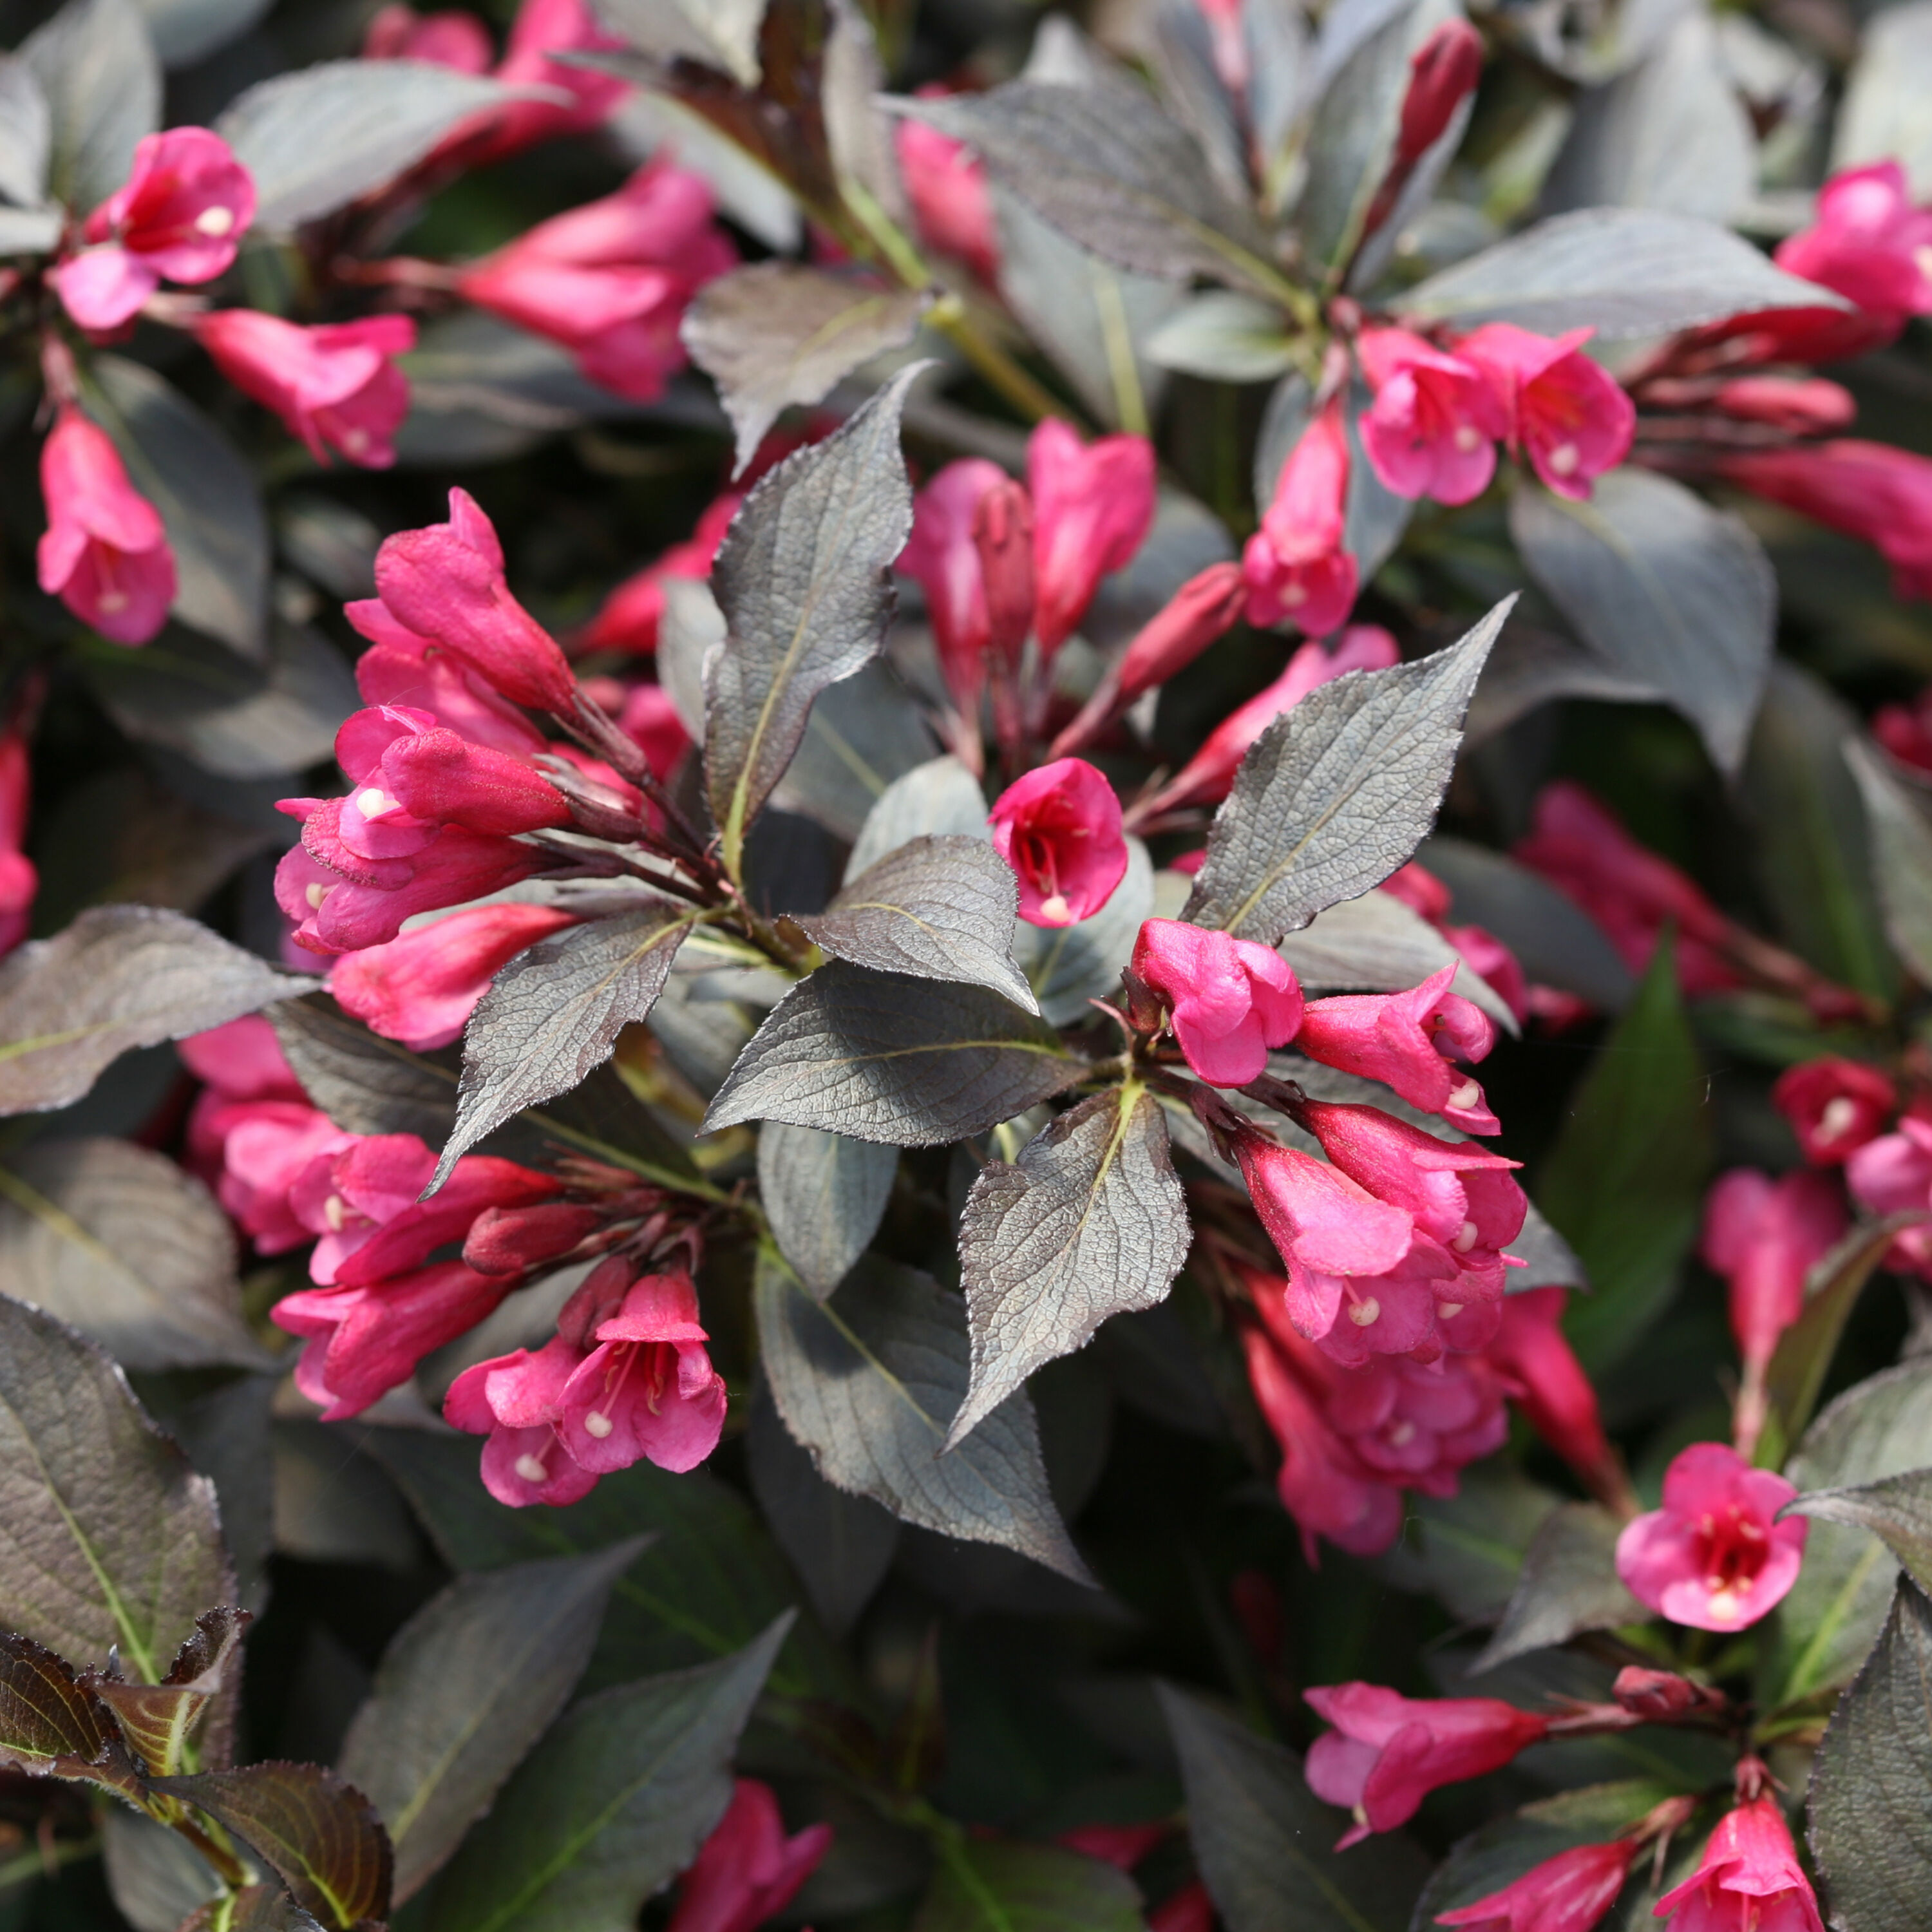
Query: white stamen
{"points": [[1564, 458], [316, 895], [1466, 1237], [1839, 1115], [335, 1213], [1723, 1606], [1921, 259], [1293, 595], [1468, 436], [1056, 910], [1466, 1095], [215, 222], [1447, 1311], [598, 1424], [531, 1470], [112, 600], [1364, 1313], [354, 442], [373, 802], [1402, 1435]]}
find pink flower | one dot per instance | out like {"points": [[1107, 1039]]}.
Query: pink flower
{"points": [[453, 39], [335, 386], [1893, 1175], [1629, 891], [609, 281], [1569, 1893], [1433, 427], [516, 1240], [628, 620], [179, 217], [1868, 243], [1905, 730], [1442, 74], [942, 556], [1408, 1041], [1867, 490], [422, 988], [1059, 828], [1748, 1880], [1386, 1753], [542, 29], [105, 553], [1093, 504], [446, 583], [402, 668], [1294, 564], [1189, 1909], [1713, 1557], [748, 1870], [649, 719], [1542, 1376], [1834, 1106], [1763, 1237], [626, 1376], [1209, 775], [1799, 406], [946, 183], [1229, 1000], [18, 881], [1565, 413]]}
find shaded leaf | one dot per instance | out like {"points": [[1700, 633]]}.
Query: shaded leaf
{"points": [[864, 732], [718, 33], [129, 1248], [941, 908], [1623, 1183], [1623, 272], [611, 1807], [867, 1381], [120, 976], [1531, 668], [157, 1880], [882, 1057], [365, 1084], [1871, 1824], [1663, 587], [102, 84], [1108, 169], [256, 1908], [1337, 792], [1468, 1550], [552, 1014], [1568, 1584], [1224, 337], [1884, 115], [318, 1834], [1261, 1837], [323, 137], [773, 335], [187, 30], [464, 1689], [823, 1195], [106, 1536], [206, 495], [939, 798], [990, 1886], [26, 134], [160, 1719], [1069, 965], [50, 1726], [1897, 1509], [840, 1545], [804, 579], [1089, 1222], [864, 155], [1901, 857]]}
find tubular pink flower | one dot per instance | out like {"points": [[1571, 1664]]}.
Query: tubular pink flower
{"points": [[1571, 1892], [1713, 1557], [1542, 1377], [1294, 564], [18, 881], [1229, 1000], [946, 182], [1093, 504], [941, 557], [628, 620], [105, 553], [1834, 1105], [337, 386], [1566, 413], [452, 39], [1748, 1880], [1868, 243], [748, 1870], [1764, 1236], [1059, 828], [1433, 429]]}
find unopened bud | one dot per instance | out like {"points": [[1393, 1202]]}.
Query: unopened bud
{"points": [[1442, 72], [1201, 610], [598, 808], [1003, 536], [1659, 1694], [510, 1241]]}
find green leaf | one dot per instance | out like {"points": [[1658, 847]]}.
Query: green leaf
{"points": [[1569, 1584], [824, 1195], [1468, 1550], [610, 1807], [1901, 857], [986, 1886], [1898, 1510], [1262, 1838], [465, 1688], [1870, 1794], [1624, 1184], [159, 1720], [107, 1537]]}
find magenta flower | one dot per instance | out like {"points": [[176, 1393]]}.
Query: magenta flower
{"points": [[1093, 504], [1834, 1106], [748, 1870], [18, 881], [1569, 1893], [1296, 568], [1442, 74], [1386, 1753], [178, 218], [1542, 1377], [1201, 610], [1714, 1557], [1059, 828], [450, 39], [1229, 1000], [336, 386], [105, 553], [410, 775], [943, 558], [1763, 1236], [1408, 1040], [1748, 1880], [403, 668], [946, 182], [1868, 243], [1893, 1175], [628, 620], [1434, 426], [1566, 413]]}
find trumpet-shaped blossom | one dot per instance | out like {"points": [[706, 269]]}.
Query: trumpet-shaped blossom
{"points": [[748, 1870], [104, 553], [1060, 829], [946, 182], [1229, 1000], [1565, 413], [178, 218], [401, 668], [1893, 1175], [1571, 1892], [422, 987], [1296, 567], [1868, 243], [1410, 1041], [18, 881], [1386, 1753], [1201, 610], [609, 281], [1433, 427], [1764, 1237], [628, 620], [451, 39], [1714, 1557], [336, 386], [1541, 1375], [1747, 1880], [1092, 503], [943, 558]]}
